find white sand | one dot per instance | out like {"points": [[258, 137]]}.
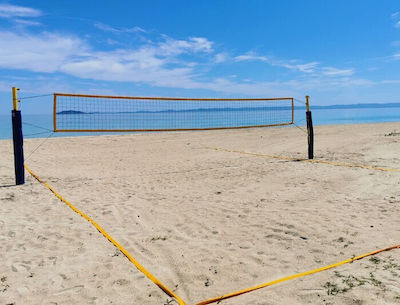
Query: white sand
{"points": [[204, 222]]}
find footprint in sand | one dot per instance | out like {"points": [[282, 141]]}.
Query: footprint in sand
{"points": [[11, 234], [121, 282], [18, 267], [23, 290], [58, 281], [74, 289]]}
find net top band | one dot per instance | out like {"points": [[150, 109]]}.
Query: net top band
{"points": [[172, 98]]}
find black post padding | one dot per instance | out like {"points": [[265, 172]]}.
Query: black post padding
{"points": [[18, 147], [310, 132]]}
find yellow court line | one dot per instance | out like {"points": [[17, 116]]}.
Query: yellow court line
{"points": [[112, 240], [385, 169], [165, 288], [294, 276]]}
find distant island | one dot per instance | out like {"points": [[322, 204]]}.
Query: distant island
{"points": [[225, 109], [355, 106], [71, 112], [228, 109]]}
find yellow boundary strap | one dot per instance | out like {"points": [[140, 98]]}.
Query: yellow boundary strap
{"points": [[294, 276], [112, 240], [385, 169], [165, 288]]}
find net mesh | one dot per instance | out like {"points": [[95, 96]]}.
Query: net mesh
{"points": [[108, 113]]}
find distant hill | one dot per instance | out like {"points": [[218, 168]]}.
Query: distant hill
{"points": [[70, 112], [228, 109], [355, 106]]}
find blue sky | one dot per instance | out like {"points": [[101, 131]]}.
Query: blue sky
{"points": [[338, 52]]}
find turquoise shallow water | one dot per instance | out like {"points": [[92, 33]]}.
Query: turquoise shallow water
{"points": [[156, 120]]}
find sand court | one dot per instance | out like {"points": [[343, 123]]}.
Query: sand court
{"points": [[205, 222]]}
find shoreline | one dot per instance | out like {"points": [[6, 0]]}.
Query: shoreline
{"points": [[97, 134]]}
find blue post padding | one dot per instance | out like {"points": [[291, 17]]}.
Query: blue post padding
{"points": [[18, 147]]}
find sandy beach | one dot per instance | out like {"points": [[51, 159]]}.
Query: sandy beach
{"points": [[205, 222]]}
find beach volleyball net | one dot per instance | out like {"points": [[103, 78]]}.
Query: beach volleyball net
{"points": [[95, 113]]}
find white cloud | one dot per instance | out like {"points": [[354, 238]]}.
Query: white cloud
{"points": [[396, 16], [192, 45], [105, 27], [155, 64], [11, 11], [330, 71], [108, 28], [396, 56], [248, 88], [288, 64], [306, 68], [122, 65], [112, 41], [391, 81], [40, 53], [281, 88], [221, 57], [250, 56], [26, 22], [201, 44], [159, 64]]}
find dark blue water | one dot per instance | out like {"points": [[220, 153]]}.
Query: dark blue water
{"points": [[31, 123]]}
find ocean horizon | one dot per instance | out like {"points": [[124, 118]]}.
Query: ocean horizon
{"points": [[41, 125]]}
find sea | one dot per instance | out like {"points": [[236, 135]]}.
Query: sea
{"points": [[40, 126]]}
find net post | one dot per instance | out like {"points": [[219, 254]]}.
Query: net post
{"points": [[17, 140], [54, 112], [292, 111], [310, 130]]}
